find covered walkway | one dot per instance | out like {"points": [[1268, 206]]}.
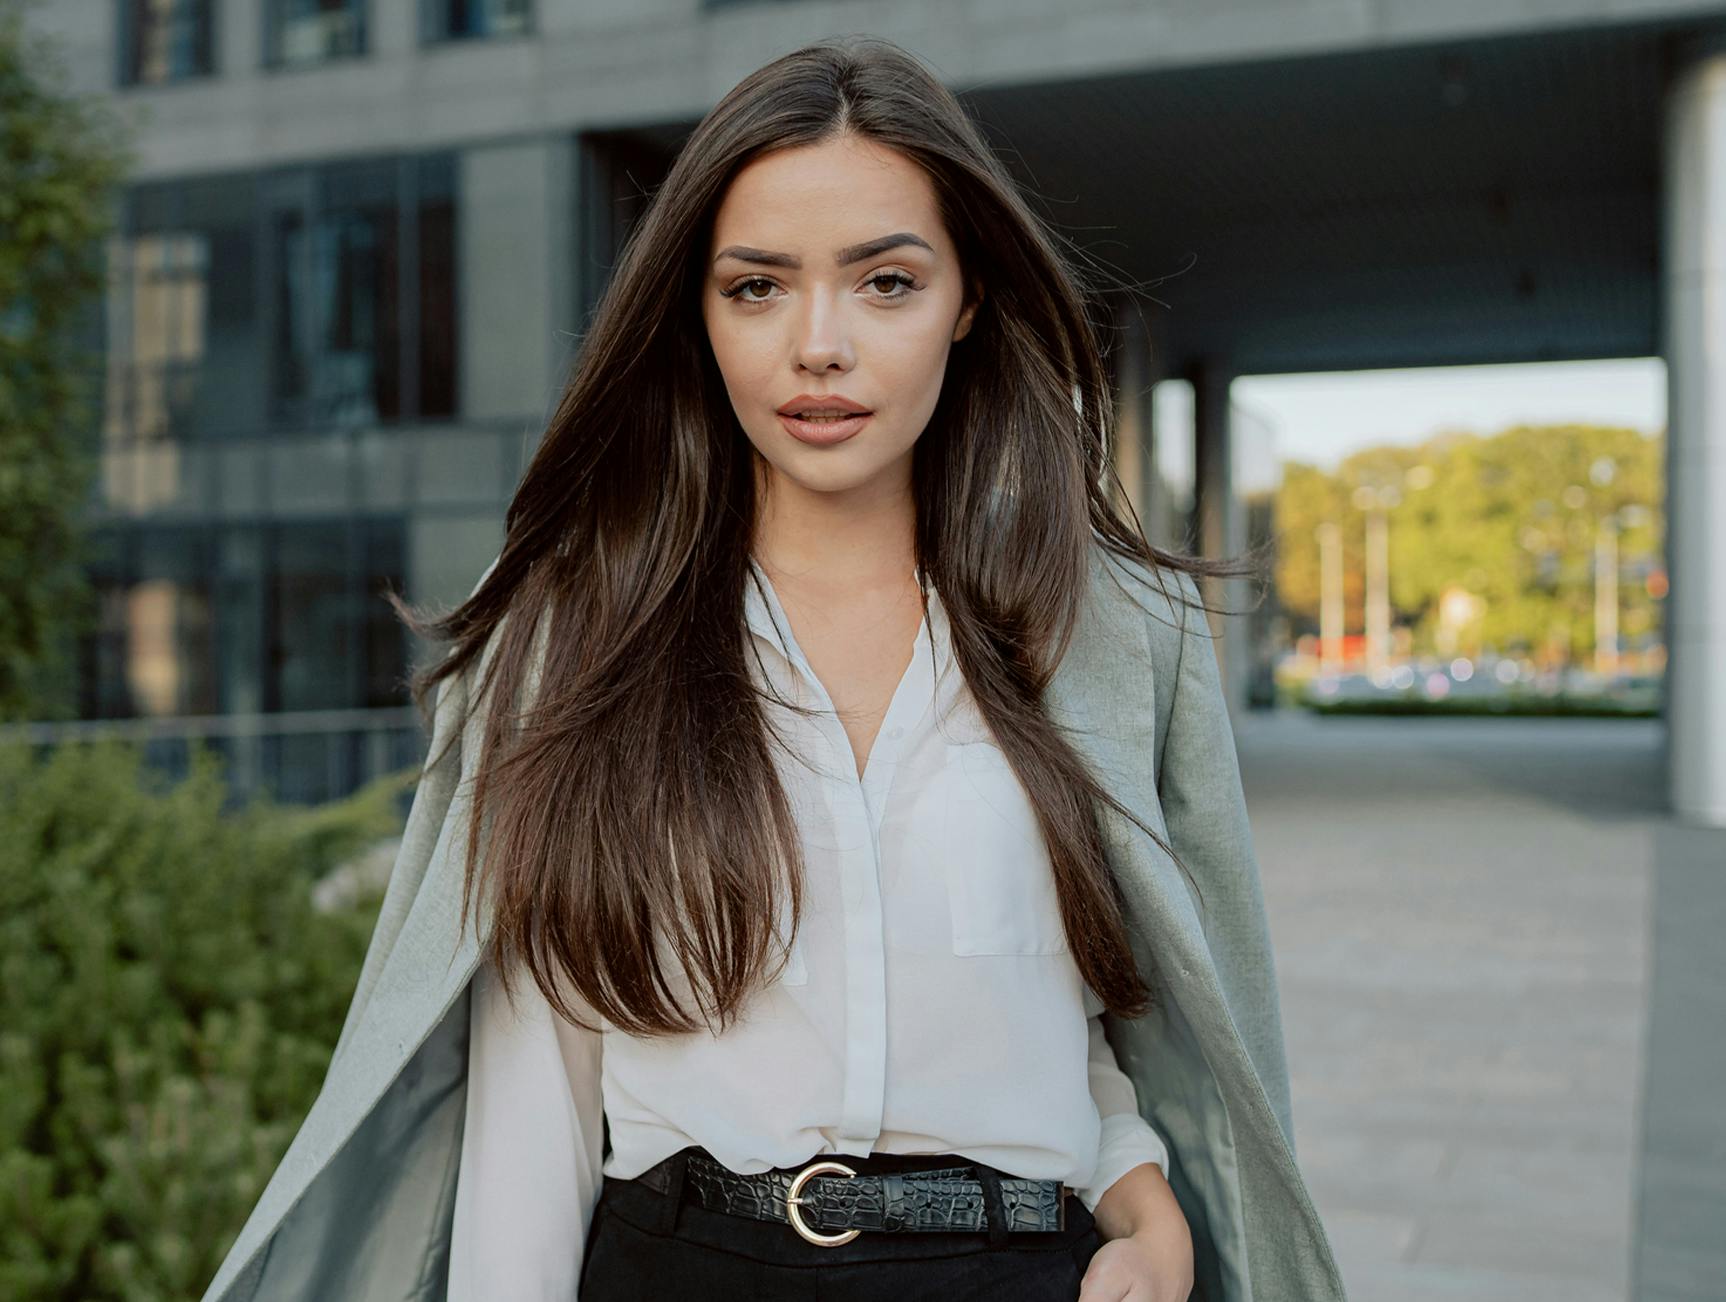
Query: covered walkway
{"points": [[1462, 914]]}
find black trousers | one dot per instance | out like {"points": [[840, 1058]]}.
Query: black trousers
{"points": [[644, 1244]]}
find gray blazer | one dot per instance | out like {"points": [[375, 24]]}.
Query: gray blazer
{"points": [[360, 1205]]}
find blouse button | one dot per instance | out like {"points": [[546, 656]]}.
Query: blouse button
{"points": [[894, 732]]}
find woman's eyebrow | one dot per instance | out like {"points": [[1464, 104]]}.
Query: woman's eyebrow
{"points": [[843, 257]]}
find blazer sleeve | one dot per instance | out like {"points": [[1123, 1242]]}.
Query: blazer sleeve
{"points": [[530, 1167], [1205, 814]]}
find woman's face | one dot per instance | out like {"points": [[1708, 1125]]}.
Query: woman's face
{"points": [[831, 275]]}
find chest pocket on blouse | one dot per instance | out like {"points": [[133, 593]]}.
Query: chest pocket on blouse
{"points": [[1000, 882]]}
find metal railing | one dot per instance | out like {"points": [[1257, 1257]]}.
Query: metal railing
{"points": [[303, 757]]}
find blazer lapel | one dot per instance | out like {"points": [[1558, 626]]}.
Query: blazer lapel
{"points": [[1104, 696]]}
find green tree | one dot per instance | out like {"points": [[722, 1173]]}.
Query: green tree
{"points": [[1511, 517], [172, 999], [61, 160]]}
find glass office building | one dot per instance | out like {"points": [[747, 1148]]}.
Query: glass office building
{"points": [[344, 293], [320, 379], [280, 366]]}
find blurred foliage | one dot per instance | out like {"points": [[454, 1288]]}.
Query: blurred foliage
{"points": [[1511, 518], [61, 161], [172, 1000]]}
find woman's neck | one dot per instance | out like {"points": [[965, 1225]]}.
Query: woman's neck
{"points": [[835, 542]]}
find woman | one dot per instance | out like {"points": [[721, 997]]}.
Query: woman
{"points": [[812, 919]]}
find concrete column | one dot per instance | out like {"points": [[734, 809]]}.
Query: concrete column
{"points": [[1694, 284], [1679, 1254], [1168, 449], [1132, 375], [516, 228], [517, 262], [1222, 520]]}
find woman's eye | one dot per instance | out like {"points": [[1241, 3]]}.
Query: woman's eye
{"points": [[892, 278], [736, 291]]}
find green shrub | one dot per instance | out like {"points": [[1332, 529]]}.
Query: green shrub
{"points": [[171, 1001]]}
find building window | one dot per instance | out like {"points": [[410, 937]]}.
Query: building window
{"points": [[183, 346], [363, 291], [243, 619], [152, 653], [338, 327], [437, 363], [384, 652], [337, 297], [300, 299], [302, 32], [164, 41], [312, 604], [153, 375], [455, 20]]}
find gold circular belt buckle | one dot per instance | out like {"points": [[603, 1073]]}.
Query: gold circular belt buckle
{"points": [[793, 1202]]}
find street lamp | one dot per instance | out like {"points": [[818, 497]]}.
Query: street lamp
{"points": [[1329, 596], [1606, 530], [1376, 500]]}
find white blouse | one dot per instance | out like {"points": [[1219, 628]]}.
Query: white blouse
{"points": [[930, 1003]]}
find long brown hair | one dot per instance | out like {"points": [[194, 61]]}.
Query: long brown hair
{"points": [[636, 836]]}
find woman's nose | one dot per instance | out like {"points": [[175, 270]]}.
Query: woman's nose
{"points": [[823, 336]]}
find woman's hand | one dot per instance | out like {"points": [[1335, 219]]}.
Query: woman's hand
{"points": [[1142, 1267], [1147, 1252]]}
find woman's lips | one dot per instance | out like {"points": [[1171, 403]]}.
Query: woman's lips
{"points": [[823, 432]]}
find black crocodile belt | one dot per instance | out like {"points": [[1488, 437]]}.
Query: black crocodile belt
{"points": [[827, 1196]]}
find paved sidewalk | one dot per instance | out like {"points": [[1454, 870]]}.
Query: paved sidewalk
{"points": [[1460, 913]]}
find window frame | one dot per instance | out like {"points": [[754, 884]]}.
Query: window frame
{"points": [[434, 24], [273, 16], [128, 48]]}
